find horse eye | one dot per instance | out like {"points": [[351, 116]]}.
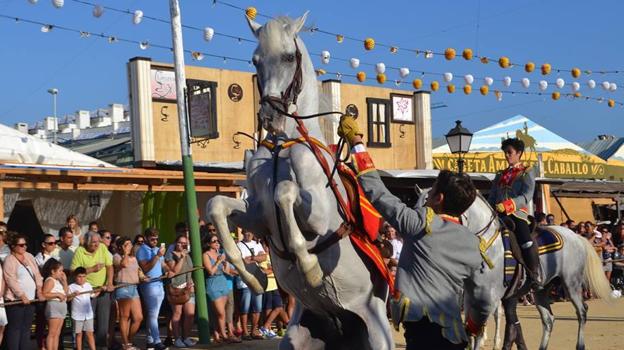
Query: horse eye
{"points": [[288, 57]]}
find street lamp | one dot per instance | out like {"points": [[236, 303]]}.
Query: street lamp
{"points": [[54, 92], [458, 140]]}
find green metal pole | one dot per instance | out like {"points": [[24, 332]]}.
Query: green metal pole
{"points": [[189, 180]]}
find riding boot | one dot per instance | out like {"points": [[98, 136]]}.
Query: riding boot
{"points": [[530, 255], [510, 336], [520, 344]]}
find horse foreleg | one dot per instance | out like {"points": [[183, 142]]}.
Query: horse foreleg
{"points": [[221, 208], [286, 194], [498, 314], [299, 336], [542, 302], [576, 298]]}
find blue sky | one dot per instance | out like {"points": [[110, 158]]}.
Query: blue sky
{"points": [[91, 73]]}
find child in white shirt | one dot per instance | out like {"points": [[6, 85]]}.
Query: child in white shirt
{"points": [[81, 310]]}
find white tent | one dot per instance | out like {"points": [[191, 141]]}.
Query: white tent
{"points": [[19, 148]]}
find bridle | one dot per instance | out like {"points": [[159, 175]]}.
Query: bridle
{"points": [[283, 105]]}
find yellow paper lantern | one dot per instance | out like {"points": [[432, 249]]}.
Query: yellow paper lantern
{"points": [[339, 38], [577, 94], [504, 62], [251, 12], [394, 49], [417, 84], [435, 86], [484, 90], [546, 68], [361, 76], [467, 89], [555, 95], [449, 53], [450, 88], [529, 67], [485, 60], [381, 78], [611, 103], [369, 44], [576, 72], [467, 54]]}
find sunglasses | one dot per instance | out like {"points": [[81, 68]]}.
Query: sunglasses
{"points": [[21, 245], [106, 237], [153, 238], [215, 241], [140, 242], [49, 243]]}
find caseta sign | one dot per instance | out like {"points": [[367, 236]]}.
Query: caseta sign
{"points": [[556, 164]]}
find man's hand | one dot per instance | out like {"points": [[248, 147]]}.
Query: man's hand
{"points": [[97, 267], [500, 208], [25, 299], [348, 129]]}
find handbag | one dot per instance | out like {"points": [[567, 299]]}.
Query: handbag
{"points": [[178, 296], [254, 269]]}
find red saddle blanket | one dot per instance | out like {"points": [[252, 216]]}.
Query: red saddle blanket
{"points": [[368, 224]]}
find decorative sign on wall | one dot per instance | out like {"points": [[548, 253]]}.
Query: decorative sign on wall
{"points": [[235, 92], [402, 111], [202, 108], [163, 85]]}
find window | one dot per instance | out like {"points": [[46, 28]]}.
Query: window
{"points": [[202, 108], [378, 122]]}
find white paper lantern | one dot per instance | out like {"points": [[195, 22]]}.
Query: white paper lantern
{"points": [[448, 76], [138, 17], [198, 56], [605, 85], [354, 63], [499, 95], [404, 71], [543, 85], [208, 33], [612, 87], [526, 83], [560, 83], [325, 57], [428, 54], [591, 83], [98, 11], [576, 86], [380, 68], [489, 81], [469, 79], [46, 28], [507, 81], [33, 1], [58, 3], [144, 45]]}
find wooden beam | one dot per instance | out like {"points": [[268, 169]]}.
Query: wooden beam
{"points": [[126, 173], [64, 186], [1, 203]]}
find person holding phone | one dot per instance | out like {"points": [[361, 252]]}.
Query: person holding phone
{"points": [[150, 257]]}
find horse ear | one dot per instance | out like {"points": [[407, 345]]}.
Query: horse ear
{"points": [[299, 22], [254, 26]]}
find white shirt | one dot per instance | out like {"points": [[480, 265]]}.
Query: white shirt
{"points": [[245, 252], [397, 246], [81, 305], [27, 282], [41, 259]]}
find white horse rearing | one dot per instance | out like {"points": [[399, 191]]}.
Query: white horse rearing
{"points": [[340, 305]]}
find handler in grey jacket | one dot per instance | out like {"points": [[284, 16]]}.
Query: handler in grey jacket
{"points": [[438, 254]]}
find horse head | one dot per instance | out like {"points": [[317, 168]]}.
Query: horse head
{"points": [[286, 78]]}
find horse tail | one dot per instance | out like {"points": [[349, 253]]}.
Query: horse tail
{"points": [[594, 274]]}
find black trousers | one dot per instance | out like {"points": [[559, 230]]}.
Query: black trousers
{"points": [[17, 333], [426, 335], [523, 232], [101, 310]]}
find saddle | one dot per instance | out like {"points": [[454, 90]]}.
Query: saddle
{"points": [[547, 240]]}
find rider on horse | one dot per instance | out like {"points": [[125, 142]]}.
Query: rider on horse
{"points": [[510, 195], [438, 254]]}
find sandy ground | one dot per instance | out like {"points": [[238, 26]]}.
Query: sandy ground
{"points": [[604, 329]]}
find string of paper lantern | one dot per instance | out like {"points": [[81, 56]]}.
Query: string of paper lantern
{"points": [[360, 76], [504, 62], [138, 16]]}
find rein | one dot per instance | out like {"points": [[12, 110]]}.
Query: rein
{"points": [[288, 99]]}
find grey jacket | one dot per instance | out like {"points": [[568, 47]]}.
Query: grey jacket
{"points": [[515, 194], [437, 257]]}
